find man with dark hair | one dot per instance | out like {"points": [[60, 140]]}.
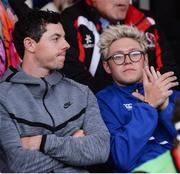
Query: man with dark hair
{"points": [[32, 27], [48, 123]]}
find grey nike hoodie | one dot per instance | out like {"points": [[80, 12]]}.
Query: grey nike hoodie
{"points": [[54, 107]]}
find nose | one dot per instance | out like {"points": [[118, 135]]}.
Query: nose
{"points": [[127, 59], [65, 45]]}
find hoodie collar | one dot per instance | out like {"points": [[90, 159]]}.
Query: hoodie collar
{"points": [[19, 76]]}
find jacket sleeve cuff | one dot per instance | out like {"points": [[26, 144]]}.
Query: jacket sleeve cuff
{"points": [[43, 143], [167, 112]]}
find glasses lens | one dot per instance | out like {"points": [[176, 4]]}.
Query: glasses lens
{"points": [[135, 56], [118, 59]]}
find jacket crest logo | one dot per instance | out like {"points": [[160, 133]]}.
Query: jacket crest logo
{"points": [[128, 106], [88, 43]]}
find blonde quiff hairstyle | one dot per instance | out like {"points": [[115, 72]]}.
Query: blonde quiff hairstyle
{"points": [[115, 32]]}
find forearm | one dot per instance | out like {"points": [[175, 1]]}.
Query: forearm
{"points": [[83, 151], [93, 148], [29, 161], [19, 159]]}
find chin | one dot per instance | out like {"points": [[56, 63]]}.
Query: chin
{"points": [[60, 66], [56, 67], [130, 81], [121, 16], [125, 82]]}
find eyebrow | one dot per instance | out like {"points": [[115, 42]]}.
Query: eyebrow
{"points": [[132, 49], [57, 34]]}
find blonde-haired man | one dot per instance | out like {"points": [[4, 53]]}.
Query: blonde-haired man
{"points": [[137, 107]]}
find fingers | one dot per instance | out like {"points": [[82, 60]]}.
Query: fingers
{"points": [[78, 133], [158, 74], [138, 95], [169, 92], [171, 85], [32, 143], [168, 80], [24, 140], [145, 78], [157, 87], [165, 76], [148, 73], [153, 72]]}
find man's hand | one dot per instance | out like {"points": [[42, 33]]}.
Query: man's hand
{"points": [[31, 143], [78, 133], [157, 88]]}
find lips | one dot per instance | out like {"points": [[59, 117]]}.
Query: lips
{"points": [[121, 6], [130, 69], [61, 54]]}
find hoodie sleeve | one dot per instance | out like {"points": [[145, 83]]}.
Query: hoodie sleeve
{"points": [[129, 131], [91, 149], [19, 159]]}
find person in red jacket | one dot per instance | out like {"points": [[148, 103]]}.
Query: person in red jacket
{"points": [[84, 21]]}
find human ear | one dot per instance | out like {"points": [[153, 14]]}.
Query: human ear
{"points": [[106, 67], [29, 44]]}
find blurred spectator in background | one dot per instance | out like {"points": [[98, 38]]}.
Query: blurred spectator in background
{"points": [[57, 5], [40, 3], [168, 162], [52, 5], [85, 20]]}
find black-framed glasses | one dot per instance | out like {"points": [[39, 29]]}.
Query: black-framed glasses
{"points": [[119, 58]]}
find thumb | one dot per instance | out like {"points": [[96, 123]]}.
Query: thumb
{"points": [[138, 95]]}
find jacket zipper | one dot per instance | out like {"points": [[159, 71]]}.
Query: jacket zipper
{"points": [[46, 90]]}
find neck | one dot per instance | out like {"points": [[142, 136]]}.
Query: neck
{"points": [[32, 68]]}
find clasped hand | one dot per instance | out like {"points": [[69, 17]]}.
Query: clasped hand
{"points": [[157, 87]]}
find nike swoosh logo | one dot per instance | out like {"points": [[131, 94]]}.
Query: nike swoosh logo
{"points": [[66, 105]]}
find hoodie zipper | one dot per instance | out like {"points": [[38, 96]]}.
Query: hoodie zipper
{"points": [[45, 93]]}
